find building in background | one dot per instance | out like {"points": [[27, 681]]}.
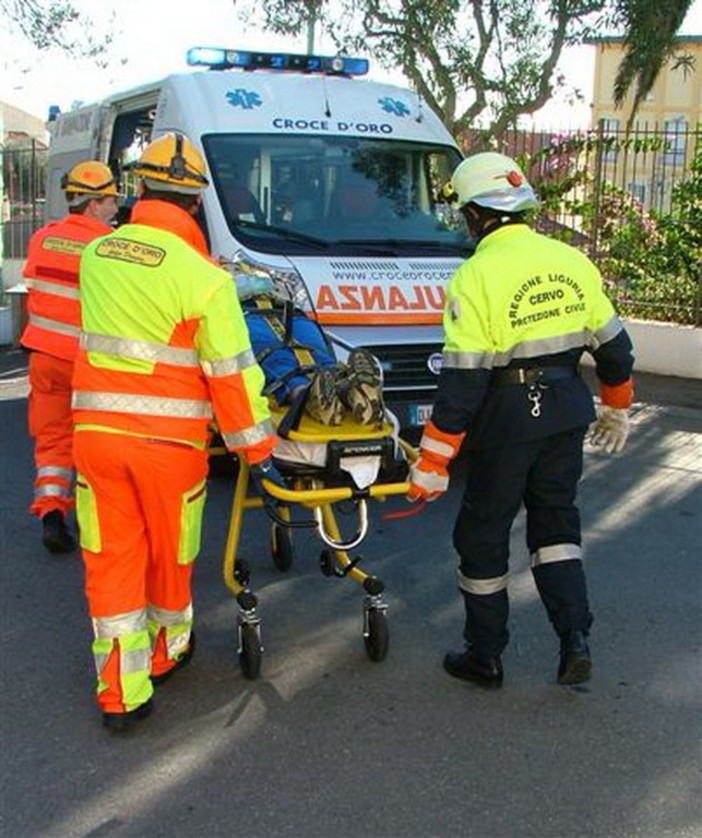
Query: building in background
{"points": [[651, 158], [23, 149], [19, 126]]}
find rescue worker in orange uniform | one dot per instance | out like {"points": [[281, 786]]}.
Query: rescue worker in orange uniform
{"points": [[519, 313], [164, 349], [51, 335]]}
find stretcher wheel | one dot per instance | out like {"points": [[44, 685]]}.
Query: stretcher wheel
{"points": [[250, 651], [281, 547], [326, 562], [376, 635]]}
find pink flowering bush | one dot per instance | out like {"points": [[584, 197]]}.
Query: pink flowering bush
{"points": [[651, 261]]}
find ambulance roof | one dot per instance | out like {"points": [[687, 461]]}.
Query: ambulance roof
{"points": [[274, 102]]}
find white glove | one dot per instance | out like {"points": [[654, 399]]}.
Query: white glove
{"points": [[611, 429]]}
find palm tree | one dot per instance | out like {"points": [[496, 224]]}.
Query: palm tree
{"points": [[650, 37]]}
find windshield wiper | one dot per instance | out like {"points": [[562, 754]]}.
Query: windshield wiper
{"points": [[378, 247], [462, 247], [284, 232], [400, 244]]}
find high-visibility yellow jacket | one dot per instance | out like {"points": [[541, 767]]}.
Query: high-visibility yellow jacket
{"points": [[164, 346], [51, 275], [524, 300]]}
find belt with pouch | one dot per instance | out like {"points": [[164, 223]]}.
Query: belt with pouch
{"points": [[531, 376]]}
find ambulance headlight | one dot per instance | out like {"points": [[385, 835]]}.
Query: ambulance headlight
{"points": [[288, 285]]}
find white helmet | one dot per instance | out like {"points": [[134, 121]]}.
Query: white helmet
{"points": [[493, 181]]}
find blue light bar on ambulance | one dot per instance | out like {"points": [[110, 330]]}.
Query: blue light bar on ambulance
{"points": [[227, 59]]}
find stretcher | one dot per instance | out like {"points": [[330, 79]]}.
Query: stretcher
{"points": [[376, 458]]}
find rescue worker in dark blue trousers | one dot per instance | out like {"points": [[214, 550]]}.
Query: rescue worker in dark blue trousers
{"points": [[519, 314]]}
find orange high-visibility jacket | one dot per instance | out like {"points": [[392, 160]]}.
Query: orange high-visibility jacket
{"points": [[51, 275], [164, 345]]}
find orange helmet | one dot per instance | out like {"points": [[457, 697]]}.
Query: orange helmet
{"points": [[172, 162], [89, 179]]}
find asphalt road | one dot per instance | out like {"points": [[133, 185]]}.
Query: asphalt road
{"points": [[327, 742]]}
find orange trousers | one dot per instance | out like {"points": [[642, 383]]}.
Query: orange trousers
{"points": [[139, 506], [51, 426]]}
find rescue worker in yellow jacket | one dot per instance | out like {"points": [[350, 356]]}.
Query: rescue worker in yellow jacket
{"points": [[51, 335], [519, 314], [164, 349]]}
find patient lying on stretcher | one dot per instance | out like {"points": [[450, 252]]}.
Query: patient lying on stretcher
{"points": [[302, 371]]}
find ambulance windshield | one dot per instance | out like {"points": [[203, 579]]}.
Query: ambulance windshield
{"points": [[305, 194]]}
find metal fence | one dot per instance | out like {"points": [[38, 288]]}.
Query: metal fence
{"points": [[23, 195], [612, 193], [619, 196]]}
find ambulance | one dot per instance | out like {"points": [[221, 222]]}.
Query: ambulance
{"points": [[316, 176]]}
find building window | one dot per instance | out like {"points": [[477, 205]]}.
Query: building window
{"points": [[675, 137], [609, 131], [638, 192]]}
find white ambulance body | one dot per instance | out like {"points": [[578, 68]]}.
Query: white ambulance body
{"points": [[322, 176]]}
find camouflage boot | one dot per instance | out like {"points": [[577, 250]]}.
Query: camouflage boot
{"points": [[323, 403], [360, 388]]}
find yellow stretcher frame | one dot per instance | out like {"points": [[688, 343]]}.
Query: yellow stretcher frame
{"points": [[336, 560]]}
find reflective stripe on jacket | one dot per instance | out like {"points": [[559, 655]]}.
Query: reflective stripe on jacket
{"points": [[165, 346], [51, 275], [524, 300]]}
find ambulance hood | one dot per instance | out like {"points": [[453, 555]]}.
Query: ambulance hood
{"points": [[377, 291]]}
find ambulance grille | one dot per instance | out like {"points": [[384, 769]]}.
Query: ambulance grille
{"points": [[405, 366]]}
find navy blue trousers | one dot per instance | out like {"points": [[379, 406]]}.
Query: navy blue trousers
{"points": [[543, 474]]}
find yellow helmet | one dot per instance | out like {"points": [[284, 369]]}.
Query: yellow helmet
{"points": [[173, 163], [494, 181], [89, 179]]}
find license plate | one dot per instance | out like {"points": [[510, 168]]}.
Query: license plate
{"points": [[419, 414]]}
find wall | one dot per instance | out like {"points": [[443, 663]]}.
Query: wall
{"points": [[664, 348]]}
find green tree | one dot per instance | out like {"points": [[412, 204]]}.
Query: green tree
{"points": [[486, 61], [491, 60], [55, 24]]}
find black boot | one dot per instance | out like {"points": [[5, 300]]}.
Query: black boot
{"points": [[56, 537], [575, 666], [468, 666], [119, 722]]}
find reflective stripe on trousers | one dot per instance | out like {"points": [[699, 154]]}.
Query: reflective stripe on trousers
{"points": [[122, 654], [177, 625], [556, 553], [483, 587]]}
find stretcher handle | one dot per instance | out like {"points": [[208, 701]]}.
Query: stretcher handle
{"points": [[380, 490], [343, 546], [272, 513]]}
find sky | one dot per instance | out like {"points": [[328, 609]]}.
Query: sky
{"points": [[152, 37]]}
